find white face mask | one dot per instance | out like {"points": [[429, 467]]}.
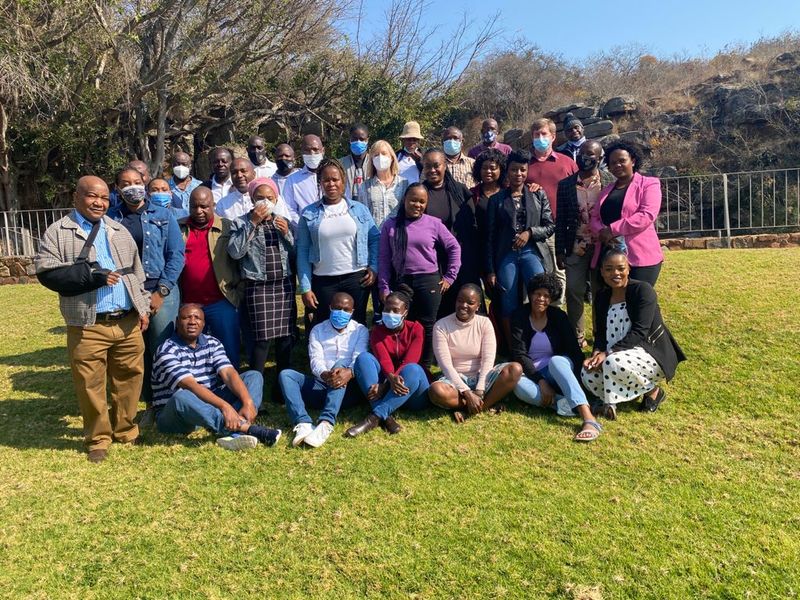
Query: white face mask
{"points": [[381, 162], [268, 203], [312, 160], [180, 171]]}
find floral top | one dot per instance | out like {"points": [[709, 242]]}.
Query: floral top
{"points": [[588, 192]]}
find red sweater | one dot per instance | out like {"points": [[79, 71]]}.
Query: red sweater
{"points": [[394, 350]]}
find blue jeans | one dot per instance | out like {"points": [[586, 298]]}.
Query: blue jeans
{"points": [[368, 371], [301, 390], [523, 263], [161, 327], [569, 393], [222, 321], [184, 411]]}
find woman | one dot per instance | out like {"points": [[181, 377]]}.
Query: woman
{"points": [[262, 241], [544, 343], [490, 171], [383, 189], [160, 194], [628, 208], [389, 376], [411, 246], [518, 225], [464, 345], [633, 349], [337, 247]]}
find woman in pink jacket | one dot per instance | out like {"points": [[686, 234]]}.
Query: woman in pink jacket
{"points": [[628, 209]]}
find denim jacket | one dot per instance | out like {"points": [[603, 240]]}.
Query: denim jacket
{"points": [[308, 250], [162, 247], [248, 248]]}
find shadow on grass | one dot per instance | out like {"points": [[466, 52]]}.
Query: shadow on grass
{"points": [[46, 357]]}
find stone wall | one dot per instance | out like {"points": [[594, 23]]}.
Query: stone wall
{"points": [[17, 269], [761, 240]]}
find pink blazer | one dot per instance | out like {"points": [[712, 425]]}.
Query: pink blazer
{"points": [[640, 209]]}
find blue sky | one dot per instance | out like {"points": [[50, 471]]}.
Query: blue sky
{"points": [[578, 29]]}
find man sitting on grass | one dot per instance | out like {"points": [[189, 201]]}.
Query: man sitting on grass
{"points": [[194, 384]]}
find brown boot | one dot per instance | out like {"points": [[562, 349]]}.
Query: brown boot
{"points": [[368, 424]]}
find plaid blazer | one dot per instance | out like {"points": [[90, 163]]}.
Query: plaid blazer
{"points": [[60, 246], [567, 211]]}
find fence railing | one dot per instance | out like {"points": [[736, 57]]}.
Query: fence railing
{"points": [[22, 229]]}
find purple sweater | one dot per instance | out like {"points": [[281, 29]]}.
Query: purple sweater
{"points": [[424, 234]]}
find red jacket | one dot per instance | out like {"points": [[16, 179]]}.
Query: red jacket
{"points": [[394, 350]]}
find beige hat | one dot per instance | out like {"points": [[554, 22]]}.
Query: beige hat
{"points": [[411, 130]]}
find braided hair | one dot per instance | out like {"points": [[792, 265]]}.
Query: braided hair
{"points": [[400, 233]]}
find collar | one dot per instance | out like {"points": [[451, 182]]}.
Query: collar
{"points": [[83, 222], [551, 157], [458, 159], [214, 181], [202, 341], [126, 210], [208, 226]]}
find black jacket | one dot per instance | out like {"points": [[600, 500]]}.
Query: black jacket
{"points": [[567, 211], [464, 228], [647, 327], [558, 330], [500, 227]]}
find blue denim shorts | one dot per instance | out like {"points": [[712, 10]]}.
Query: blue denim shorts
{"points": [[473, 381]]}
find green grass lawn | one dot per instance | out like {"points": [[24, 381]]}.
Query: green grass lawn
{"points": [[699, 500]]}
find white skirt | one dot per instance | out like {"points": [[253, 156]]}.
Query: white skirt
{"points": [[625, 376]]}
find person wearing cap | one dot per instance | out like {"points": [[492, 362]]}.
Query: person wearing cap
{"points": [[573, 131], [354, 162], [409, 157], [459, 165], [489, 140]]}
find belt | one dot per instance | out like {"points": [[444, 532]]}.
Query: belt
{"points": [[111, 316]]}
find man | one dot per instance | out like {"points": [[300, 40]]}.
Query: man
{"points": [[219, 160], [573, 131], [574, 241], [104, 326], [257, 152], [353, 163], [182, 184], [333, 347], [301, 187], [489, 140], [409, 157], [195, 385], [210, 277], [460, 166], [284, 162], [237, 202]]}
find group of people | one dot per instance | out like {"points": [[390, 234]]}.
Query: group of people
{"points": [[199, 270]]}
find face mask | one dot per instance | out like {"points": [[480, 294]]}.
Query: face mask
{"points": [[381, 162], [268, 203], [312, 160], [256, 156], [133, 194], [358, 147], [541, 144], [284, 166], [161, 199], [452, 147], [340, 318], [180, 172], [578, 143], [489, 137], [391, 320], [586, 163]]}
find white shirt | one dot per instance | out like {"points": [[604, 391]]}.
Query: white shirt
{"points": [[408, 169], [299, 191], [280, 180], [234, 205], [268, 169], [326, 346], [220, 190], [337, 241]]}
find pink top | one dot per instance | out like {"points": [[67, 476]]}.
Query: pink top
{"points": [[464, 349], [640, 210]]}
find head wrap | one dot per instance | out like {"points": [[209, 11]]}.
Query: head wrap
{"points": [[258, 182]]}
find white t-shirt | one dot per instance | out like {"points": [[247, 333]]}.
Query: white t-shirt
{"points": [[337, 241]]}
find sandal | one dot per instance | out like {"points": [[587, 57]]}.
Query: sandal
{"points": [[606, 411], [650, 404], [589, 435]]}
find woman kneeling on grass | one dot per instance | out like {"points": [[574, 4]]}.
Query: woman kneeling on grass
{"points": [[390, 376], [544, 343], [633, 349], [464, 345]]}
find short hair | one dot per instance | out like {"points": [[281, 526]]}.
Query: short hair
{"points": [[154, 179], [522, 157], [191, 305], [547, 281], [124, 170], [490, 155], [633, 149], [370, 169], [222, 149], [544, 122], [472, 287], [329, 162], [356, 126]]}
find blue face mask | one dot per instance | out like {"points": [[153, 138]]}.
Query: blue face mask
{"points": [[489, 137], [358, 148], [161, 199], [452, 147], [340, 318], [541, 144], [391, 320]]}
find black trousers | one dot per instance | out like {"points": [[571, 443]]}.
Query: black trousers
{"points": [[325, 287], [648, 274], [424, 307]]}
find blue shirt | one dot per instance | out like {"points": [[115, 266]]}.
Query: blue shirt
{"points": [[180, 198], [109, 298]]}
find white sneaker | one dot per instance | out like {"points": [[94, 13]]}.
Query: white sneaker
{"points": [[238, 442], [319, 436], [301, 432]]}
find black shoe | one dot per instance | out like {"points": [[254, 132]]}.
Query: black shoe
{"points": [[368, 424], [391, 425], [650, 404], [97, 456], [265, 435]]}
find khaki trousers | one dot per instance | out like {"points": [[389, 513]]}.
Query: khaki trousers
{"points": [[112, 350]]}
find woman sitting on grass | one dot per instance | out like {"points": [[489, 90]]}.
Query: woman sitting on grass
{"points": [[464, 345], [544, 343], [633, 349]]}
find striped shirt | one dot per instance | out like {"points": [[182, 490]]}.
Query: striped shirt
{"points": [[175, 360], [109, 298]]}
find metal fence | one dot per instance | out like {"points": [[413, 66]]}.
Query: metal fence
{"points": [[22, 229]]}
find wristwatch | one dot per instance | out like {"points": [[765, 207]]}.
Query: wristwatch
{"points": [[163, 290]]}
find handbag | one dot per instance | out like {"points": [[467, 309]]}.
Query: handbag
{"points": [[78, 278]]}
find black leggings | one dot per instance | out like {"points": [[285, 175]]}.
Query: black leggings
{"points": [[648, 274], [326, 287], [283, 359], [424, 307]]}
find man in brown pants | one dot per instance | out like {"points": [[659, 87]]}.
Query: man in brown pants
{"points": [[104, 326]]}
